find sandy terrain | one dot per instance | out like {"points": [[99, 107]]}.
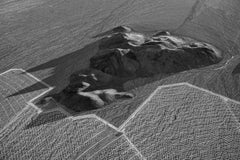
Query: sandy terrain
{"points": [[48, 37], [51, 39], [181, 121]]}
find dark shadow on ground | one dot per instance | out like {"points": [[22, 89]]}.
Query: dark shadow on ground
{"points": [[66, 65], [46, 118], [35, 87], [62, 67]]}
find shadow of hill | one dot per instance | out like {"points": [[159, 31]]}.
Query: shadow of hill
{"points": [[62, 68], [46, 118], [35, 87]]}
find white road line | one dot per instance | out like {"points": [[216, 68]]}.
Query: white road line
{"points": [[102, 147], [13, 69], [21, 86], [29, 74], [133, 129], [173, 85], [15, 112], [27, 103], [134, 156], [82, 117], [107, 123], [89, 140], [15, 99], [235, 118], [225, 65], [13, 89], [121, 128], [134, 147], [12, 109], [40, 95], [139, 108], [81, 130], [15, 118], [20, 97], [94, 116], [91, 146], [2, 106], [10, 86], [224, 98], [59, 110], [129, 147], [7, 100]]}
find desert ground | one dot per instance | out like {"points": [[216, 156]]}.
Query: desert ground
{"points": [[43, 43]]}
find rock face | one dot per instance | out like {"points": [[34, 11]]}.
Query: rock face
{"points": [[96, 80], [89, 89], [132, 54], [82, 100], [124, 55]]}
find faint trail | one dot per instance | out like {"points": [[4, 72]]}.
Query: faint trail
{"points": [[134, 147], [225, 65], [99, 149], [234, 117], [28, 103], [198, 4], [121, 128]]}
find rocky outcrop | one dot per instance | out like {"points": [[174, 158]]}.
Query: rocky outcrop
{"points": [[96, 80], [136, 55], [78, 99], [89, 89], [124, 55]]}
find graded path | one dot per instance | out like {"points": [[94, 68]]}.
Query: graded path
{"points": [[13, 97], [182, 121], [178, 121], [31, 133], [85, 137]]}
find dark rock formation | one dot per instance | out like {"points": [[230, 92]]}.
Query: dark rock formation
{"points": [[82, 100], [135, 55], [95, 79], [125, 55], [89, 89]]}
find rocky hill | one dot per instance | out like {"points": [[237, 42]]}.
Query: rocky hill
{"points": [[125, 55], [131, 47]]}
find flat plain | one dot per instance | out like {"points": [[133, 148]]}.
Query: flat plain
{"points": [[51, 39], [184, 122]]}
